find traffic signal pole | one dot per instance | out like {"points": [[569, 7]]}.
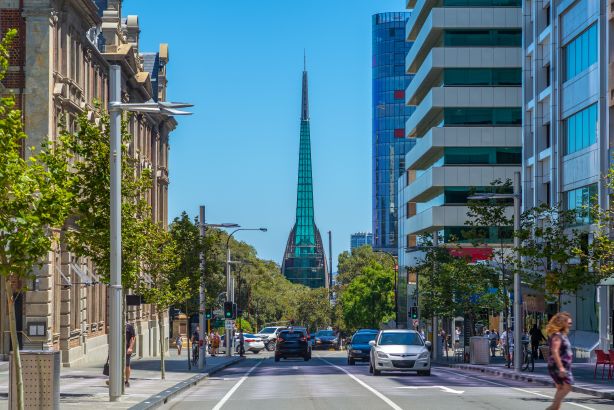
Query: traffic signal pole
{"points": [[202, 349], [229, 297]]}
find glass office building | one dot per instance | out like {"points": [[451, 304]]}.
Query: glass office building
{"points": [[361, 239], [389, 115]]}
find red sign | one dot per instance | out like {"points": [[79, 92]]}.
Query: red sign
{"points": [[476, 254]]}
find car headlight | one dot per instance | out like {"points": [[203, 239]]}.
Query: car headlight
{"points": [[382, 355], [423, 355], [335, 340]]}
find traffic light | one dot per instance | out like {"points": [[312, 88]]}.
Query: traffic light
{"points": [[239, 312], [228, 310], [234, 311], [414, 312], [208, 314]]}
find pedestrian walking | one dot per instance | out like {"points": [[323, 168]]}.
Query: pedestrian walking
{"points": [[507, 342], [561, 355], [444, 350], [493, 339], [216, 343], [130, 341], [241, 344], [195, 344], [536, 337], [179, 344]]}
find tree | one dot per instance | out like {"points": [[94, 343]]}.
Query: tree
{"points": [[35, 198], [368, 300], [90, 236], [159, 262], [351, 264], [601, 248]]}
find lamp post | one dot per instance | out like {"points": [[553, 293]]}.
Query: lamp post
{"points": [[396, 274], [229, 288], [202, 349], [116, 107], [518, 322]]}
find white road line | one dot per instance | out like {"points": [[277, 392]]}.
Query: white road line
{"points": [[219, 405], [365, 385], [516, 388]]}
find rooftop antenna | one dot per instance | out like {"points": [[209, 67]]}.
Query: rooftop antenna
{"points": [[304, 60]]}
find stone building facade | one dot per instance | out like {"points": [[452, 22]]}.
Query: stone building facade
{"points": [[59, 69]]}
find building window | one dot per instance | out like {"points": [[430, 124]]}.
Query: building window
{"points": [[547, 186], [581, 52], [547, 68], [482, 156], [482, 116], [482, 76], [479, 38], [547, 136], [580, 200], [481, 3], [581, 129]]}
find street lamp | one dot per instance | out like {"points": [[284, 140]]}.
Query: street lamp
{"points": [[396, 273], [517, 307], [202, 349], [116, 107], [229, 290]]}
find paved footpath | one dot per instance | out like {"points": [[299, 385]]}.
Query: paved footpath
{"points": [[83, 386], [327, 382]]}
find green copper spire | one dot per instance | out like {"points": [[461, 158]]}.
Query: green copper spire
{"points": [[304, 260]]}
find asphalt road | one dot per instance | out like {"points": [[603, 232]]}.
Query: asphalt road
{"points": [[327, 382]]}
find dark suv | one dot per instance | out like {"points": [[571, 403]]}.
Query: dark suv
{"points": [[292, 343], [359, 348]]}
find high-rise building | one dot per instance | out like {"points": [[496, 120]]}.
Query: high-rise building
{"points": [[389, 144], [567, 142], [304, 260], [466, 60], [361, 239]]}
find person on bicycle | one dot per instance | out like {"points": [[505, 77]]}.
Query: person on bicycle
{"points": [[195, 343], [536, 337]]}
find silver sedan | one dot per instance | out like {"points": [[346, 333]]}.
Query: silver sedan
{"points": [[400, 350]]}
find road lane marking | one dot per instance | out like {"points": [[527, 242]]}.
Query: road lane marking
{"points": [[365, 385], [443, 388], [230, 392], [517, 389]]}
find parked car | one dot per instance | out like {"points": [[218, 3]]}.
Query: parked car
{"points": [[251, 343], [292, 342], [269, 336], [325, 339], [400, 350], [359, 348]]}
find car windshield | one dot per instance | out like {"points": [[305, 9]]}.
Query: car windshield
{"points": [[400, 338], [325, 333], [363, 338], [248, 335], [268, 330]]}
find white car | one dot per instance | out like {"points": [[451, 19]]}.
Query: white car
{"points": [[400, 350], [251, 343], [269, 336]]}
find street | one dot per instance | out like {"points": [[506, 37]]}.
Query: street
{"points": [[327, 382]]}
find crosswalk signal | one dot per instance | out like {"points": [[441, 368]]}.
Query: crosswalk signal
{"points": [[208, 314], [228, 307], [234, 311], [239, 312], [414, 312]]}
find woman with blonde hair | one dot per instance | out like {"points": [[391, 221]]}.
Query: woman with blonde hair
{"points": [[561, 355]]}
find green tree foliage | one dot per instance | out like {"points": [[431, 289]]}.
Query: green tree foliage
{"points": [[601, 248], [351, 264], [368, 300], [35, 196], [91, 190], [159, 261]]}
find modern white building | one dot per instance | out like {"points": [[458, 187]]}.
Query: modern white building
{"points": [[567, 99], [466, 60]]}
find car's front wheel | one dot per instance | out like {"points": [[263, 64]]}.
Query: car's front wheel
{"points": [[376, 372], [276, 358], [351, 361]]}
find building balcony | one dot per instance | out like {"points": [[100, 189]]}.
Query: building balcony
{"points": [[437, 99], [439, 58], [432, 182], [438, 217], [430, 31], [430, 147]]}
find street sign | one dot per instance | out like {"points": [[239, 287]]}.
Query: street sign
{"points": [[230, 325], [218, 312]]}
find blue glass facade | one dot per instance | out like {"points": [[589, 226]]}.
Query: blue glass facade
{"points": [[389, 116], [361, 239]]}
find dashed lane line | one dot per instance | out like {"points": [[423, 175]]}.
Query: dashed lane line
{"points": [[365, 385], [230, 392], [515, 388]]}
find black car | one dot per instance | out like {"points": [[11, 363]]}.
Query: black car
{"points": [[292, 343], [325, 339], [359, 348]]}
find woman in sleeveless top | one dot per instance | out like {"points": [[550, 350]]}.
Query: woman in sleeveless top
{"points": [[561, 355]]}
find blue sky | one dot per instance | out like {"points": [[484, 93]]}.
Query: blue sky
{"points": [[240, 63]]}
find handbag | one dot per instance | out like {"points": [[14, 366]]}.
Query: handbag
{"points": [[105, 369]]}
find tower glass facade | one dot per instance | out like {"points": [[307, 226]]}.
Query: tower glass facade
{"points": [[304, 260], [389, 116]]}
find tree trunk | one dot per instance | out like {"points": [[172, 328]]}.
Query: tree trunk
{"points": [[160, 322], [14, 342]]}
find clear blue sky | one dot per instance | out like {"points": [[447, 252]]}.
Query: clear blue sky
{"points": [[240, 63]]}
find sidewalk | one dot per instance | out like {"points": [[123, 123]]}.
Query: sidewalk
{"points": [[582, 372], [83, 386]]}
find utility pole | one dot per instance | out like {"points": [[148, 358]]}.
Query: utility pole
{"points": [[518, 322], [330, 259], [202, 350]]}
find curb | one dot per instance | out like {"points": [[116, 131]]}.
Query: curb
{"points": [[542, 380], [164, 396]]}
